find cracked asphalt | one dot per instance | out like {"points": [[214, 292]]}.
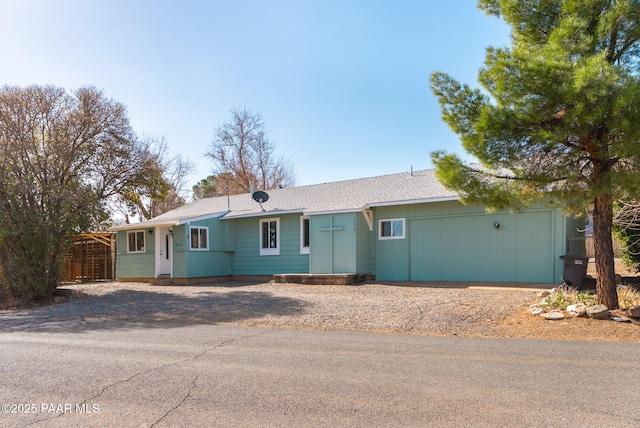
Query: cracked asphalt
{"points": [[121, 374], [247, 355], [118, 377]]}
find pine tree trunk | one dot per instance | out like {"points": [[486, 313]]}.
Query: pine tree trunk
{"points": [[603, 245]]}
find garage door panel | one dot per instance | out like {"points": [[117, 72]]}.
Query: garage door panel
{"points": [[473, 249], [424, 249], [535, 241]]}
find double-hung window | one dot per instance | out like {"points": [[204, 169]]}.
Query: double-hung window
{"points": [[391, 229], [199, 238], [270, 237], [135, 241]]}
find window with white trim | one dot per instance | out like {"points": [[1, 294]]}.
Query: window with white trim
{"points": [[304, 235], [391, 228], [270, 237], [199, 238], [135, 241]]}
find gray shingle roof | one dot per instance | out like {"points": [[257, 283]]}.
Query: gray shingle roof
{"points": [[340, 196]]}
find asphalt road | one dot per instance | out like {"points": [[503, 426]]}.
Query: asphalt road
{"points": [[126, 374]]}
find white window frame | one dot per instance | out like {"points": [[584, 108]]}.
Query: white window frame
{"points": [[144, 241], [304, 249], [199, 228], [392, 236], [270, 251]]}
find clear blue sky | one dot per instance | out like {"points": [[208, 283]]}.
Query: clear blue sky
{"points": [[343, 84]]}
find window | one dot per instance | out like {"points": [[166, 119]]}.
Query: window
{"points": [[391, 229], [270, 237], [304, 235], [199, 238], [135, 241]]}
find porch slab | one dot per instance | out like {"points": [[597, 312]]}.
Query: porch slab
{"points": [[323, 279]]}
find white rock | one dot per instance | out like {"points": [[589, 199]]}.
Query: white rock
{"points": [[577, 310], [553, 316], [537, 311]]}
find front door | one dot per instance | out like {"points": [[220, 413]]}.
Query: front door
{"points": [[164, 253]]}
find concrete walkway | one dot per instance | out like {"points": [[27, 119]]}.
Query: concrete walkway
{"points": [[534, 286]]}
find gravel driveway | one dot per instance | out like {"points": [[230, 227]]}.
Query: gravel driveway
{"points": [[464, 311]]}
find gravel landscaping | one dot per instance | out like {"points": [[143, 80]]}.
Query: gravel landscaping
{"points": [[368, 307], [447, 310]]}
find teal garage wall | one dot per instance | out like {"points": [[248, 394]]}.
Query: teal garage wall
{"points": [[135, 265], [449, 241], [246, 259]]}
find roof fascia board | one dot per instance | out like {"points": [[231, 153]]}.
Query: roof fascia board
{"points": [[151, 224], [143, 225], [200, 218], [413, 202], [263, 214], [351, 210], [385, 204]]}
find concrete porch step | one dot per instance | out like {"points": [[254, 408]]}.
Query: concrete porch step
{"points": [[161, 280], [326, 279]]}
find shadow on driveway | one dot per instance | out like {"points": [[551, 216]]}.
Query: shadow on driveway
{"points": [[131, 309]]}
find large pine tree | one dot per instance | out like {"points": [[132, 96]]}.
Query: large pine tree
{"points": [[558, 115]]}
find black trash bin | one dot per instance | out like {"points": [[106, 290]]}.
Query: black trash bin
{"points": [[575, 269]]}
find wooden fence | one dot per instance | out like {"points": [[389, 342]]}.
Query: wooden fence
{"points": [[588, 241], [91, 258]]}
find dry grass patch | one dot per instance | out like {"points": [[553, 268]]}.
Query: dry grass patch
{"points": [[563, 296]]}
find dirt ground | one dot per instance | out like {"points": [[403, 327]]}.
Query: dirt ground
{"points": [[432, 309], [524, 325], [442, 310]]}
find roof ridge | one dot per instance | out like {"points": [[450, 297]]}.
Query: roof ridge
{"points": [[408, 173], [336, 196]]}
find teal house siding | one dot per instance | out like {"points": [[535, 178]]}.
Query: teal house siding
{"points": [[440, 239], [334, 244], [135, 265], [246, 259], [216, 260], [449, 241], [180, 251], [363, 246]]}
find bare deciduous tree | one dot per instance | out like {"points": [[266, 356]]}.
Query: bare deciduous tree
{"points": [[242, 153], [163, 187], [62, 155], [626, 221]]}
